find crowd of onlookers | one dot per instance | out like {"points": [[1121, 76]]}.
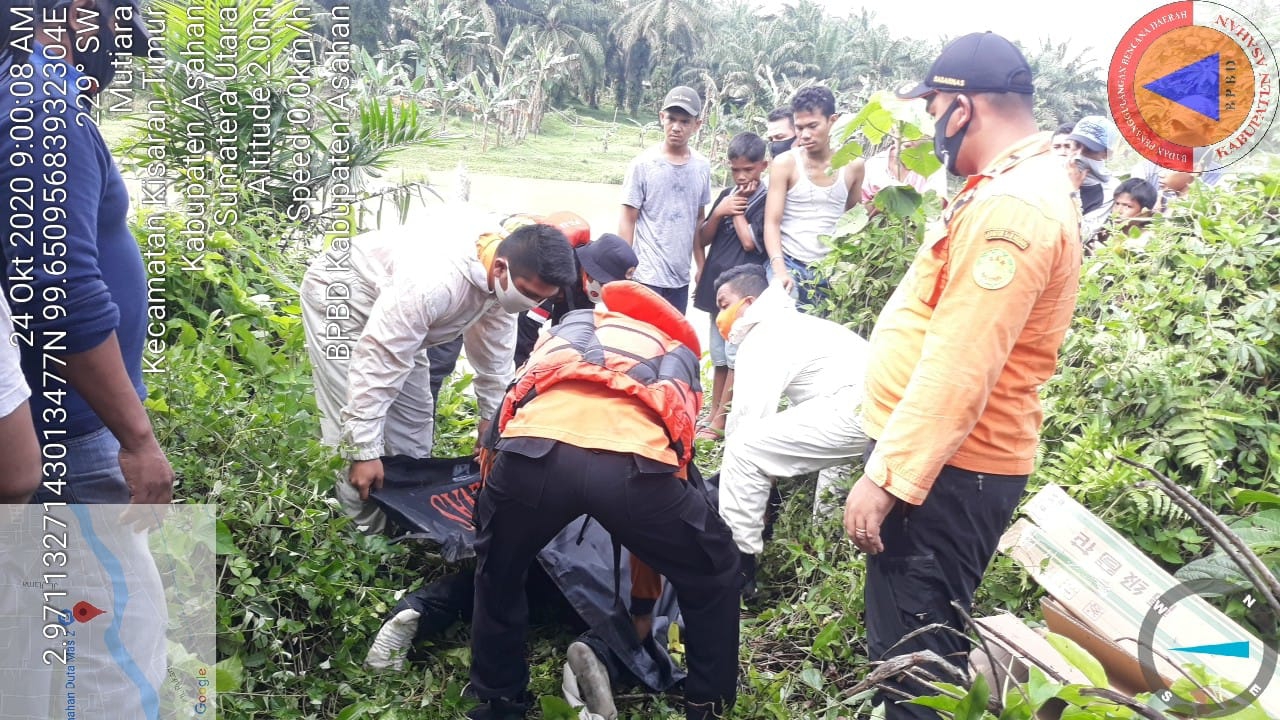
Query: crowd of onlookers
{"points": [[944, 390]]}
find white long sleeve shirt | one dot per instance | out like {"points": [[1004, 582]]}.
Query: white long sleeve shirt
{"points": [[429, 289], [786, 352]]}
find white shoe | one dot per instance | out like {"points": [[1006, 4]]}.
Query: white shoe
{"points": [[593, 681], [393, 641]]}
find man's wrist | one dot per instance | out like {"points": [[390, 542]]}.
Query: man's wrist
{"points": [[139, 437]]}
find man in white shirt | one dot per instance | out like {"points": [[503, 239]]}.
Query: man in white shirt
{"points": [[20, 464], [885, 169], [805, 201], [372, 306], [818, 366]]}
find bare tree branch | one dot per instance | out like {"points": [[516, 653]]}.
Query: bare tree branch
{"points": [[1240, 553]]}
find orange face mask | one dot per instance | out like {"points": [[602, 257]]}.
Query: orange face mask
{"points": [[728, 316]]}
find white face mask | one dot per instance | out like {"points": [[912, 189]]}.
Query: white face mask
{"points": [[594, 288], [510, 298]]}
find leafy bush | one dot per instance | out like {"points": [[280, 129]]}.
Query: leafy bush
{"points": [[1173, 360]]}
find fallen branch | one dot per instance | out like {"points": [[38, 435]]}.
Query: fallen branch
{"points": [[901, 664], [1224, 537]]}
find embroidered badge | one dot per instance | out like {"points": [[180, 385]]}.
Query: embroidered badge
{"points": [[994, 269], [1008, 235]]}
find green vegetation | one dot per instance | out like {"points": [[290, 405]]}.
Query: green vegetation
{"points": [[1173, 360], [504, 67]]}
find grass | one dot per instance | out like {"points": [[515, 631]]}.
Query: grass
{"points": [[575, 144]]}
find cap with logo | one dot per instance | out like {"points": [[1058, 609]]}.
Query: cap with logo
{"points": [[607, 259], [977, 62], [685, 98], [1096, 133]]}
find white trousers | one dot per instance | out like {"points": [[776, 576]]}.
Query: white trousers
{"points": [[331, 324], [820, 434]]}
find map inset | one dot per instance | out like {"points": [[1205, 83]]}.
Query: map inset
{"points": [[101, 620]]}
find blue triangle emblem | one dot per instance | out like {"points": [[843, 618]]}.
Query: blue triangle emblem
{"points": [[1194, 87]]}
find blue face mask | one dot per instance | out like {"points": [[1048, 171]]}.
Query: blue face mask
{"points": [[947, 149]]}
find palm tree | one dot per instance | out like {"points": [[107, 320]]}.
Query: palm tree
{"points": [[1069, 85], [661, 32], [455, 36], [752, 72], [575, 28]]}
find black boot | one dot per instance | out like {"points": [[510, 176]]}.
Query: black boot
{"points": [[747, 573], [502, 709]]}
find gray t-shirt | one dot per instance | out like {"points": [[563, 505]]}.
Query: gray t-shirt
{"points": [[669, 198]]}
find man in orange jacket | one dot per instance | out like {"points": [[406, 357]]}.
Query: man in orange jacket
{"points": [[600, 422], [958, 355]]}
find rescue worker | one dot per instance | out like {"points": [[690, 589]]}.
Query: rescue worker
{"points": [[958, 355], [371, 307], [604, 260], [600, 422], [818, 366]]}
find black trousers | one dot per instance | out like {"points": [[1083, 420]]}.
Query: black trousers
{"points": [[657, 516], [677, 296], [934, 553]]}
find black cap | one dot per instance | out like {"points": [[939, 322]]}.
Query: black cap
{"points": [[977, 62], [608, 258]]}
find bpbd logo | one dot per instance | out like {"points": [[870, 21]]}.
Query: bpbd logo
{"points": [[1193, 86]]}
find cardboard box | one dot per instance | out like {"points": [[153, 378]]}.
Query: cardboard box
{"points": [[1017, 647], [1105, 587], [1121, 665]]}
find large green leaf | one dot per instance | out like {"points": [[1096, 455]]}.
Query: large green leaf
{"points": [[1079, 659], [812, 677], [845, 154], [829, 634], [920, 159], [946, 703], [898, 200], [1256, 497], [228, 675], [1040, 688], [974, 704]]}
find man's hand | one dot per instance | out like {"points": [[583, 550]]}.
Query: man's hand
{"points": [[482, 432], [782, 275], [364, 475], [864, 512], [735, 204], [1075, 174], [643, 625], [147, 472]]}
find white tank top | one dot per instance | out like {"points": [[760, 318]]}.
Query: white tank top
{"points": [[811, 210]]}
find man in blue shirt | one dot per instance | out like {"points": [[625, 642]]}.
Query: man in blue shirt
{"points": [[73, 272]]}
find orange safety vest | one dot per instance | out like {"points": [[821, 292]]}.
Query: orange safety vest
{"points": [[575, 229], [668, 383]]}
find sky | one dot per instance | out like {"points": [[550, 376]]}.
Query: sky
{"points": [[1082, 24]]}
